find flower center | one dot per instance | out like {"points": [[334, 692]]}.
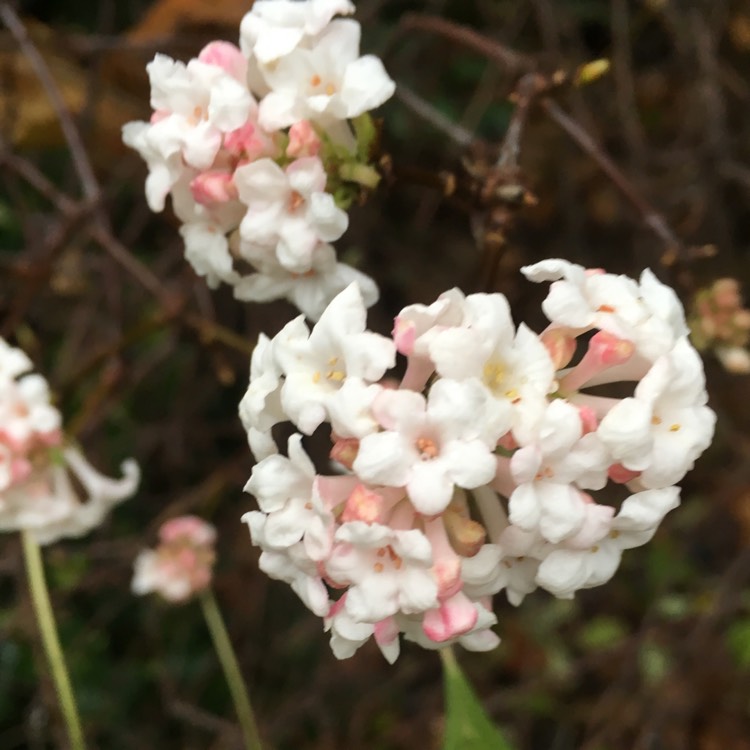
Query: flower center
{"points": [[494, 374], [379, 566], [295, 201], [316, 81], [427, 448]]}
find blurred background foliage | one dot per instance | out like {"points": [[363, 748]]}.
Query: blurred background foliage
{"points": [[658, 658]]}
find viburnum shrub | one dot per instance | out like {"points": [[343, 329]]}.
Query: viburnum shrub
{"points": [[477, 469], [467, 454], [262, 147]]}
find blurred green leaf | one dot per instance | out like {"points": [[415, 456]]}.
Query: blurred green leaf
{"points": [[601, 632], [738, 642], [654, 662], [467, 726]]}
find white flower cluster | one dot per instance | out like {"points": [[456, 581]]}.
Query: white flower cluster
{"points": [[36, 488], [261, 146], [475, 472]]}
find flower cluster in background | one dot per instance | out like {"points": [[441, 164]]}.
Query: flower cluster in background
{"points": [[476, 470], [719, 321], [262, 148], [37, 468], [182, 565]]}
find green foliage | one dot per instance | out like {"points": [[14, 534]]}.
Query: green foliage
{"points": [[467, 726], [738, 642], [601, 632]]}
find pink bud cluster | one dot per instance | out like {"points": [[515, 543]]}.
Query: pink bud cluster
{"points": [[182, 565], [261, 148], [36, 491], [719, 321], [488, 465]]}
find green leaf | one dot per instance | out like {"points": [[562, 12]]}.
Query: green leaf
{"points": [[467, 726], [738, 641]]}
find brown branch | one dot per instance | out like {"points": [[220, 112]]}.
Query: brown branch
{"points": [[81, 160], [514, 61], [650, 217]]}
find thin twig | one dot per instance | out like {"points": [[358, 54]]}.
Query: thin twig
{"points": [[434, 116], [514, 61], [650, 217], [81, 160]]}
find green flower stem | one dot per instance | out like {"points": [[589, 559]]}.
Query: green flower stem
{"points": [[231, 668], [48, 630]]}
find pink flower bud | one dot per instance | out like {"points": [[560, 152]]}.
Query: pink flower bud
{"points": [[213, 187], [363, 505], [452, 618], [404, 336], [226, 56], [303, 140], [182, 564], [611, 350], [560, 345], [589, 420], [620, 475], [344, 451], [245, 142]]}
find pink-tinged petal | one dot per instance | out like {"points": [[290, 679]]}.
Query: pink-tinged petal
{"points": [[226, 56], [454, 617], [386, 636]]}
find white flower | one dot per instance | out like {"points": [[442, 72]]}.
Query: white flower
{"points": [[515, 367], [207, 251], [291, 565], [260, 407], [429, 446], [464, 622], [182, 564], [47, 505], [564, 571], [316, 364], [328, 81], [666, 425], [13, 362], [286, 491], [273, 28], [348, 634], [551, 471], [26, 414], [387, 570], [196, 106], [649, 314], [288, 209], [311, 291]]}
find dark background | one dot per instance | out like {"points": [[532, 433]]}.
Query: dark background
{"points": [[658, 658]]}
